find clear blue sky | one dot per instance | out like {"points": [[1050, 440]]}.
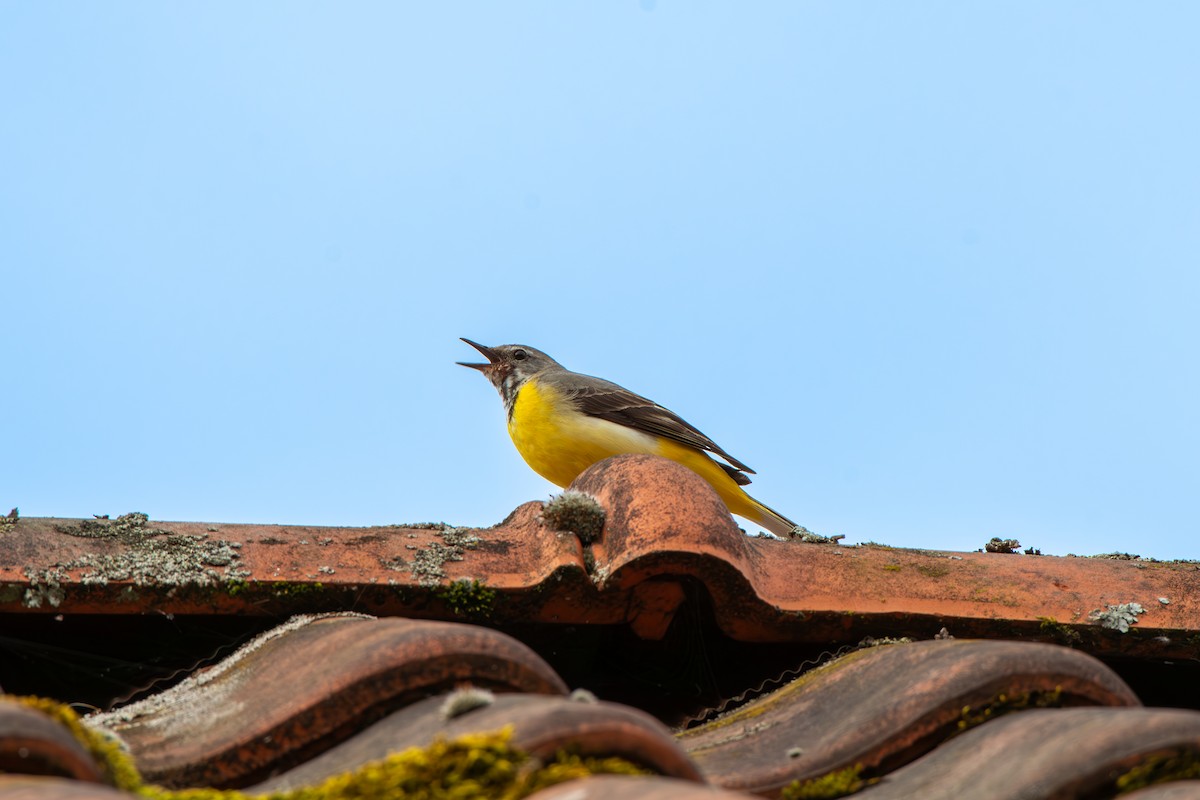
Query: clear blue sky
{"points": [[930, 268]]}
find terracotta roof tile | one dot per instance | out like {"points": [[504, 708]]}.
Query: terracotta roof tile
{"points": [[320, 696], [621, 787], [883, 707], [542, 726], [306, 685], [1070, 752], [892, 711], [25, 787], [664, 529], [33, 744], [1177, 790]]}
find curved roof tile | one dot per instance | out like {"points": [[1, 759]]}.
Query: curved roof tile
{"points": [[542, 726], [305, 685], [882, 707], [34, 744], [1068, 752]]}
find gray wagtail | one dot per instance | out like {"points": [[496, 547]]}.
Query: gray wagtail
{"points": [[563, 422]]}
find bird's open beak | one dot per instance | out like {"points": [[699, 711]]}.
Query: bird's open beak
{"points": [[487, 351]]}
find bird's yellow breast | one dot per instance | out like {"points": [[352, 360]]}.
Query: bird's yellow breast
{"points": [[558, 441]]}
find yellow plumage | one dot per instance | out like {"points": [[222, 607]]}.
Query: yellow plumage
{"points": [[559, 442]]}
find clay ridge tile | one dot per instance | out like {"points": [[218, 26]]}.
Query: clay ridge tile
{"points": [[664, 527]]}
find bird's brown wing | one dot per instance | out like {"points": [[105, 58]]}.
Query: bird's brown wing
{"points": [[605, 400]]}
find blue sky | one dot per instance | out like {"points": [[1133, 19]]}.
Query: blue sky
{"points": [[929, 268]]}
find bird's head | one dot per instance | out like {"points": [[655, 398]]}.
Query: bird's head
{"points": [[510, 366]]}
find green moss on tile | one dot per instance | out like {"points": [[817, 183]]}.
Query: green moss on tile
{"points": [[1160, 769], [759, 706], [288, 590], [478, 765], [1061, 632], [838, 783], [1003, 703], [468, 598], [279, 590], [105, 750]]}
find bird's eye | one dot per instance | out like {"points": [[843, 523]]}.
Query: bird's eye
{"points": [[519, 355]]}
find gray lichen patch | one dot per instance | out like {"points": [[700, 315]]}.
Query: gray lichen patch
{"points": [[803, 534], [148, 556], [1118, 556], [45, 587], [174, 708], [463, 701], [428, 564], [576, 512], [1118, 617]]}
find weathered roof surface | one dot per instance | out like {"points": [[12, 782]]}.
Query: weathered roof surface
{"points": [[946, 718], [663, 528], [460, 632]]}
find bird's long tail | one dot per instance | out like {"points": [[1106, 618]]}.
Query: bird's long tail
{"points": [[773, 521]]}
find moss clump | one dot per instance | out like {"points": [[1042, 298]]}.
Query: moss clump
{"points": [[1065, 634], [289, 590], [838, 783], [933, 570], [1160, 769], [468, 598], [280, 590], [479, 765], [892, 567], [1001, 704], [577, 513], [116, 765]]}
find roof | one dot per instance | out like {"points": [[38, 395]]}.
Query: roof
{"points": [[752, 665]]}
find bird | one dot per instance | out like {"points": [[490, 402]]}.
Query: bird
{"points": [[562, 422]]}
